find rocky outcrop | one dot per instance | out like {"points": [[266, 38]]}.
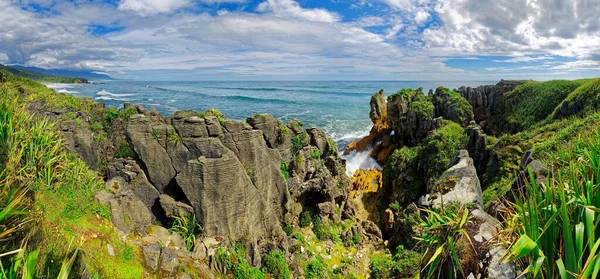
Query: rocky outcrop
{"points": [[479, 256], [451, 106], [459, 184], [411, 117], [487, 102], [477, 147]]}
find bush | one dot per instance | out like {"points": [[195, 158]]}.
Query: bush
{"points": [[285, 170], [298, 142], [235, 262], [440, 148], [305, 219], [315, 269], [124, 151], [288, 230], [128, 253], [274, 263], [404, 264], [109, 115]]}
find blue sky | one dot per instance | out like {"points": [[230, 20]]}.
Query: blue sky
{"points": [[306, 39]]}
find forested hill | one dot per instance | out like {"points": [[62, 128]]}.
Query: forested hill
{"points": [[41, 77]]}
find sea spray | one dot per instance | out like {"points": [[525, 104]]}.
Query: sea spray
{"points": [[359, 161]]}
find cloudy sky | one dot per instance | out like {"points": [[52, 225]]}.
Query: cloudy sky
{"points": [[306, 39]]}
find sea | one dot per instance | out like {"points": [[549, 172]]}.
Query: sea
{"points": [[340, 108]]}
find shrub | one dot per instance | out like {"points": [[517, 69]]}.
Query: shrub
{"points": [[128, 253], [124, 151], [316, 154], [440, 148], [315, 269], [298, 142], [129, 112], [288, 230], [109, 115], [305, 219], [439, 232], [395, 206], [404, 264], [235, 262], [96, 127], [284, 133], [285, 170], [274, 263]]}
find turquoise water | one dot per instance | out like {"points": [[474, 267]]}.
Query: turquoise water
{"points": [[341, 108]]}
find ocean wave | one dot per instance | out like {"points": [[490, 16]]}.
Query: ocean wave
{"points": [[106, 98], [346, 136], [61, 85], [107, 93], [67, 91], [360, 161]]}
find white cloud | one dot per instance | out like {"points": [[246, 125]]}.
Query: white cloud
{"points": [[521, 59], [3, 57], [152, 7], [291, 8], [505, 27], [421, 17], [370, 21]]}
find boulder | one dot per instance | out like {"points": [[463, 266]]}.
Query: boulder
{"points": [[168, 260], [459, 184], [151, 256], [173, 208], [130, 214]]}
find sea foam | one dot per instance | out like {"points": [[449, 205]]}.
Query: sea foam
{"points": [[359, 161]]}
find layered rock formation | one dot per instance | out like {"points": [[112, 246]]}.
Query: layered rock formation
{"points": [[487, 102]]}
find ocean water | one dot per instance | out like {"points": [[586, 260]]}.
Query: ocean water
{"points": [[341, 108]]}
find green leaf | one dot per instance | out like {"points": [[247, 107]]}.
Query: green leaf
{"points": [[561, 269], [579, 235], [522, 247]]}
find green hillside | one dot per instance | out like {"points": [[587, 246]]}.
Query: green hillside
{"points": [[41, 77]]}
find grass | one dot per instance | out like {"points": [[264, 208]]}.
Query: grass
{"points": [[556, 224], [533, 102], [188, 228], [439, 235], [48, 191]]}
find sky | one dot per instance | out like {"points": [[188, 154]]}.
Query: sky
{"points": [[306, 39]]}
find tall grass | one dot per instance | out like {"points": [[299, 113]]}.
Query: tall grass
{"points": [[33, 160], [556, 221]]}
